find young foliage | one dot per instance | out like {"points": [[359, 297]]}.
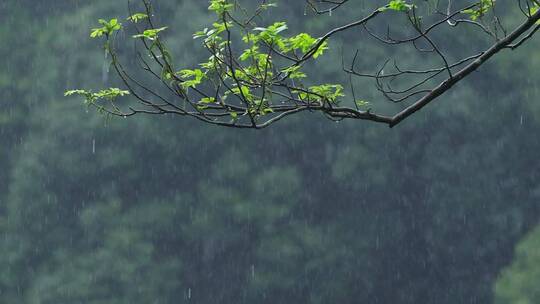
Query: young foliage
{"points": [[107, 29], [255, 69], [93, 98], [135, 18], [150, 34], [398, 5], [480, 10]]}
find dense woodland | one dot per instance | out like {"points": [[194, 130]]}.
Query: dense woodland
{"points": [[162, 209]]}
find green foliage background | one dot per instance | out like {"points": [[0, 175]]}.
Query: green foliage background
{"points": [[167, 210]]}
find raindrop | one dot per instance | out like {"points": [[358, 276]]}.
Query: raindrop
{"points": [[105, 71], [521, 120], [252, 271], [94, 146], [189, 293], [330, 12]]}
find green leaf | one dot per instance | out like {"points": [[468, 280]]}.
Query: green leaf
{"points": [[109, 94], [208, 100], [481, 9], [135, 18], [220, 6], [397, 5], [361, 103], [150, 34], [76, 92], [294, 72], [191, 78], [323, 93], [107, 28], [302, 41]]}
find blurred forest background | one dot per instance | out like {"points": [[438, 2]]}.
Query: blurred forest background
{"points": [[168, 210]]}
